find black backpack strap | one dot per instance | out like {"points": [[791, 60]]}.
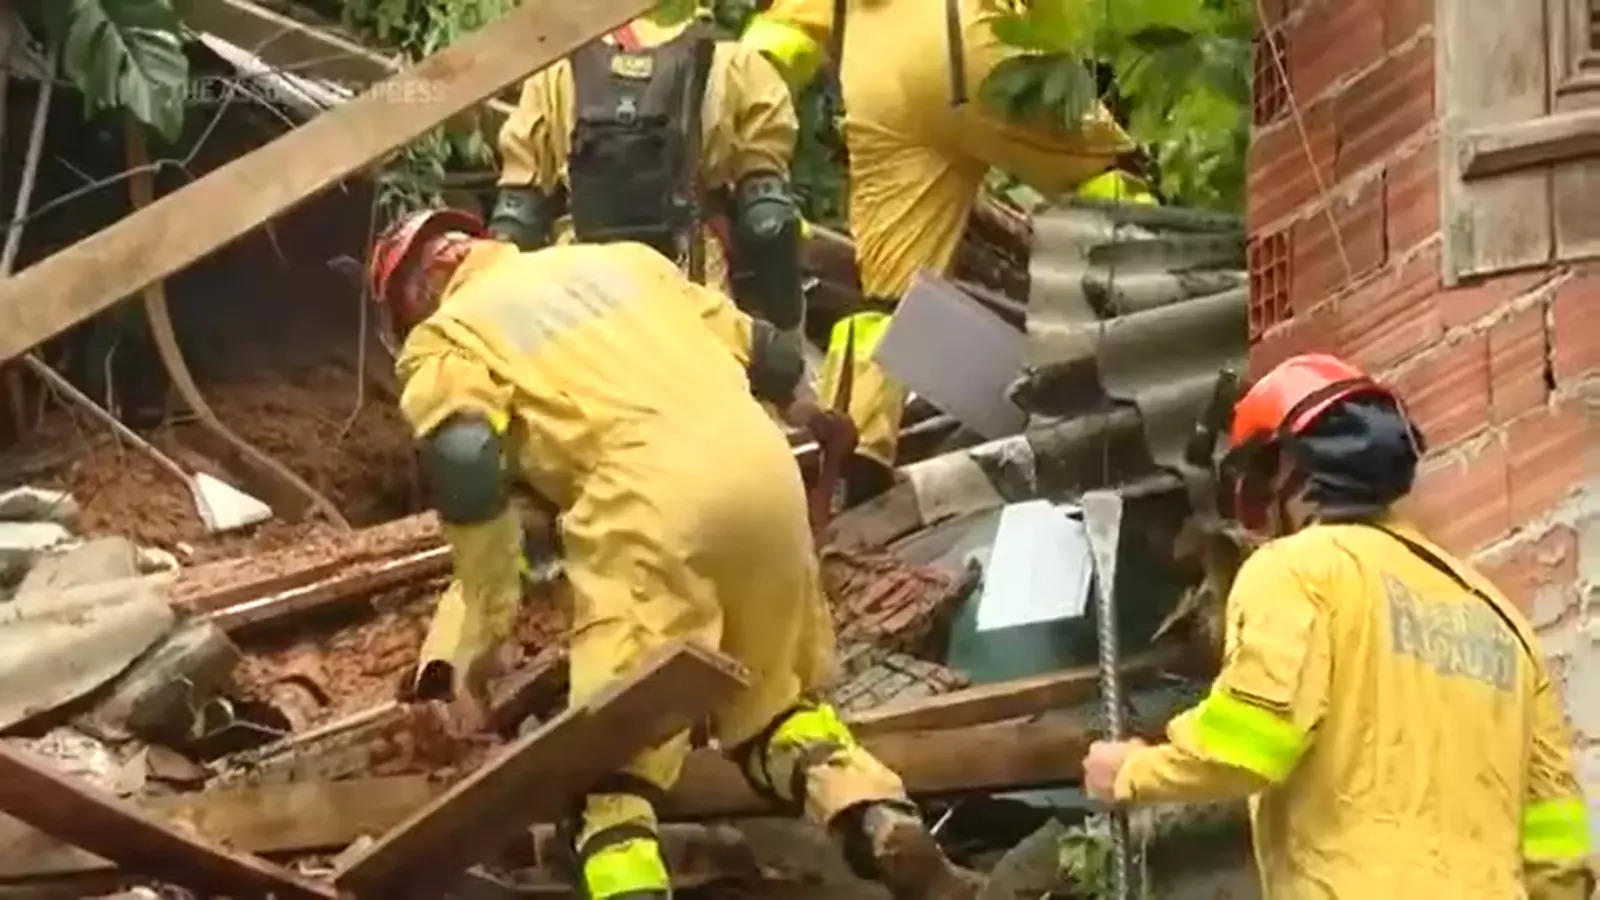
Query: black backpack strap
{"points": [[705, 47], [595, 100], [1433, 559]]}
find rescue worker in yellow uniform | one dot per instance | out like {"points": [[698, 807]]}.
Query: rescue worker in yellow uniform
{"points": [[918, 160], [1384, 706], [599, 149], [601, 378]]}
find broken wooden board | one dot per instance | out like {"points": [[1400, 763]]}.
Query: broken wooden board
{"points": [[200, 218], [215, 586], [535, 777], [121, 832], [348, 584], [1017, 698], [1003, 757], [307, 817]]}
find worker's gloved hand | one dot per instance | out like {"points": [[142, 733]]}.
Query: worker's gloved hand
{"points": [[1101, 765]]}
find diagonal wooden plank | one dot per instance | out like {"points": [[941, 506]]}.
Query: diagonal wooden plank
{"points": [[535, 777], [102, 824], [200, 218]]}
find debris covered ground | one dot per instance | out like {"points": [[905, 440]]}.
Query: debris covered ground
{"points": [[293, 640], [251, 689], [297, 417]]}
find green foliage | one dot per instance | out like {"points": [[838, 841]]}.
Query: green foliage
{"points": [[1179, 67], [414, 178], [124, 53], [1084, 866]]}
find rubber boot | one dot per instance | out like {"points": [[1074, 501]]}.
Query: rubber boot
{"points": [[903, 855]]}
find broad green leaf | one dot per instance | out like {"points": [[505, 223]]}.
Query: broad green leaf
{"points": [[126, 53], [1017, 31], [1160, 37]]}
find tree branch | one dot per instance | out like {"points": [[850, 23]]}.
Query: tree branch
{"points": [[30, 168]]}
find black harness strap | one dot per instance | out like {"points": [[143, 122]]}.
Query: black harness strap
{"points": [[1433, 559]]}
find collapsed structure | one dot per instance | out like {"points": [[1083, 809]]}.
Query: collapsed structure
{"points": [[248, 703]]}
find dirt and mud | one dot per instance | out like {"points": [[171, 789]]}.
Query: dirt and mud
{"points": [[364, 464]]}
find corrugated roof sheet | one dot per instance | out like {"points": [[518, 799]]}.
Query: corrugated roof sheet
{"points": [[1133, 312], [1134, 305]]}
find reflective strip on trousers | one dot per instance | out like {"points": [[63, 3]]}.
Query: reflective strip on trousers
{"points": [[1555, 830], [870, 328], [632, 865], [787, 45], [1245, 735], [813, 725], [807, 727]]}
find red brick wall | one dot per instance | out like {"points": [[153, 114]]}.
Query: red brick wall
{"points": [[1494, 370]]}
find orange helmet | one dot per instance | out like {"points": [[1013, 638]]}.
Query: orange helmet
{"points": [[400, 241], [1282, 404], [1290, 397]]}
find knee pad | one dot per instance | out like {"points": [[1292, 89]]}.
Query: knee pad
{"points": [[464, 462]]}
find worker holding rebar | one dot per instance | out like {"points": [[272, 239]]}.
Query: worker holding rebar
{"points": [[918, 155], [652, 132], [603, 379], [1385, 707]]}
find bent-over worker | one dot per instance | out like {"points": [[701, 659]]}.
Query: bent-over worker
{"points": [[917, 160], [599, 150], [1384, 706], [603, 379]]}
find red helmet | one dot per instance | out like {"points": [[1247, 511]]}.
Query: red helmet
{"points": [[1282, 404], [1290, 397], [401, 240]]}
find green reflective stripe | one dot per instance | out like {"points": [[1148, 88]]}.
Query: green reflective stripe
{"points": [[814, 724], [1118, 186], [632, 865], [1245, 735], [1555, 830], [870, 328], [788, 46]]}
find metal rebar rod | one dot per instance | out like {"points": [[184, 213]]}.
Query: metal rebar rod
{"points": [[1102, 516]]}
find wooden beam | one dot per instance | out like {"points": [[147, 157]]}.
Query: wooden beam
{"points": [[296, 47], [121, 832], [1534, 142], [345, 585], [200, 218], [535, 777], [1018, 698], [307, 817], [1001, 757]]}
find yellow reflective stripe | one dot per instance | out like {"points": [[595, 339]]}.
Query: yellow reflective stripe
{"points": [[1245, 735], [632, 865], [787, 45], [1118, 186], [499, 420], [814, 725], [870, 328], [1555, 830]]}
